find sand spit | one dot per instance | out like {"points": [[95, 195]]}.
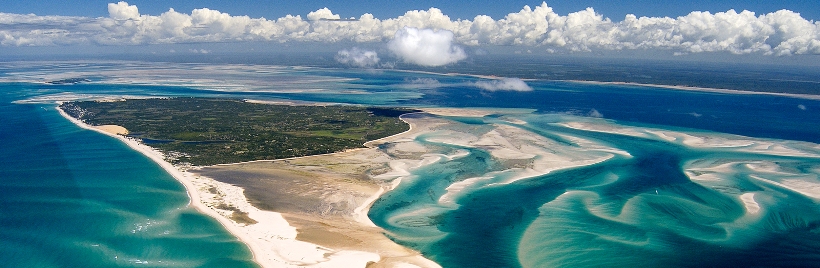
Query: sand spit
{"points": [[277, 239], [477, 112], [326, 199], [701, 89]]}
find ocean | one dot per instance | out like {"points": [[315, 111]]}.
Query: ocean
{"points": [[670, 196], [657, 202], [70, 197]]}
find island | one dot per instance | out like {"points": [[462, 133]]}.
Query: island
{"points": [[69, 81], [307, 208], [202, 131]]}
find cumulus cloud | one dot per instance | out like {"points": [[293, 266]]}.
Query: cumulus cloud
{"points": [[123, 11], [778, 33], [358, 57], [426, 47], [505, 84], [322, 14]]}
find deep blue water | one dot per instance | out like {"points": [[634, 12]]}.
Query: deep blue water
{"points": [[71, 197], [748, 115]]}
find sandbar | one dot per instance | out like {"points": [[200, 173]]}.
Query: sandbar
{"points": [[701, 89]]}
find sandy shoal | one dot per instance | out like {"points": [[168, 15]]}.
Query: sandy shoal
{"points": [[705, 140], [701, 89]]}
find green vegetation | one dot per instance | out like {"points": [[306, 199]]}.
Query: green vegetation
{"points": [[237, 215], [69, 81], [205, 131]]}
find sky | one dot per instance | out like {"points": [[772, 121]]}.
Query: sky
{"points": [[422, 32], [614, 9]]}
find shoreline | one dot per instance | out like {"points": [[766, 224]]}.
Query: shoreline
{"points": [[699, 89], [157, 158], [451, 74], [592, 82], [269, 236], [327, 197]]}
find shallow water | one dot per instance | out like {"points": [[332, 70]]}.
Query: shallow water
{"points": [[667, 191], [74, 198], [663, 203]]}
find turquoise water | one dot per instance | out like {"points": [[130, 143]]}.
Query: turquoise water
{"points": [[664, 204], [74, 198]]}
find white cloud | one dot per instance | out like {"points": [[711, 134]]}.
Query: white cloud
{"points": [[321, 14], [123, 11], [801, 107], [358, 57], [505, 84], [424, 81], [421, 83], [199, 51], [426, 47], [595, 113], [778, 33]]}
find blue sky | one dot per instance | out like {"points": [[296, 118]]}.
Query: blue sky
{"points": [[616, 10], [409, 29]]}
